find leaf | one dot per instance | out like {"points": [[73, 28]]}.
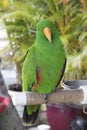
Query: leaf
{"points": [[82, 36]]}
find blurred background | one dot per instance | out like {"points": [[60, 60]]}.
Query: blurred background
{"points": [[18, 19]]}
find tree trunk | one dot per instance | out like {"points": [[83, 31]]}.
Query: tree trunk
{"points": [[9, 119]]}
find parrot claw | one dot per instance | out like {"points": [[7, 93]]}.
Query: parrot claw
{"points": [[46, 97]]}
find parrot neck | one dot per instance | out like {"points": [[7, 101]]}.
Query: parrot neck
{"points": [[43, 44]]}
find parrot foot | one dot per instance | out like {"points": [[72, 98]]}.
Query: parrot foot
{"points": [[46, 97]]}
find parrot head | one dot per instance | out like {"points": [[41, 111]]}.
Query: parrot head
{"points": [[45, 30]]}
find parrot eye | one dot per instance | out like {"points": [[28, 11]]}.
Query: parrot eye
{"points": [[38, 29]]}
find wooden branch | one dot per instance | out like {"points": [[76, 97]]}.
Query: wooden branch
{"points": [[62, 96]]}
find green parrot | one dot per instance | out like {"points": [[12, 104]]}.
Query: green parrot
{"points": [[43, 66]]}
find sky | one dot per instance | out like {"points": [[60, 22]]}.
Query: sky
{"points": [[3, 35]]}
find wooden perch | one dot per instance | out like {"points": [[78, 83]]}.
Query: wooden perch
{"points": [[60, 96]]}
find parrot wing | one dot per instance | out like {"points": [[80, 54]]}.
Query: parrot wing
{"points": [[29, 70], [30, 77], [62, 73]]}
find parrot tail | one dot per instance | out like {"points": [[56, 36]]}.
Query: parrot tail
{"points": [[29, 120]]}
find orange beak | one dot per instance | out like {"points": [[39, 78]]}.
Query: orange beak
{"points": [[47, 33]]}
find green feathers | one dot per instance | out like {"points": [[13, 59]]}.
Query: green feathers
{"points": [[48, 55]]}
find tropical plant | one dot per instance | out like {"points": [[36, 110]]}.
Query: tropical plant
{"points": [[20, 22]]}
